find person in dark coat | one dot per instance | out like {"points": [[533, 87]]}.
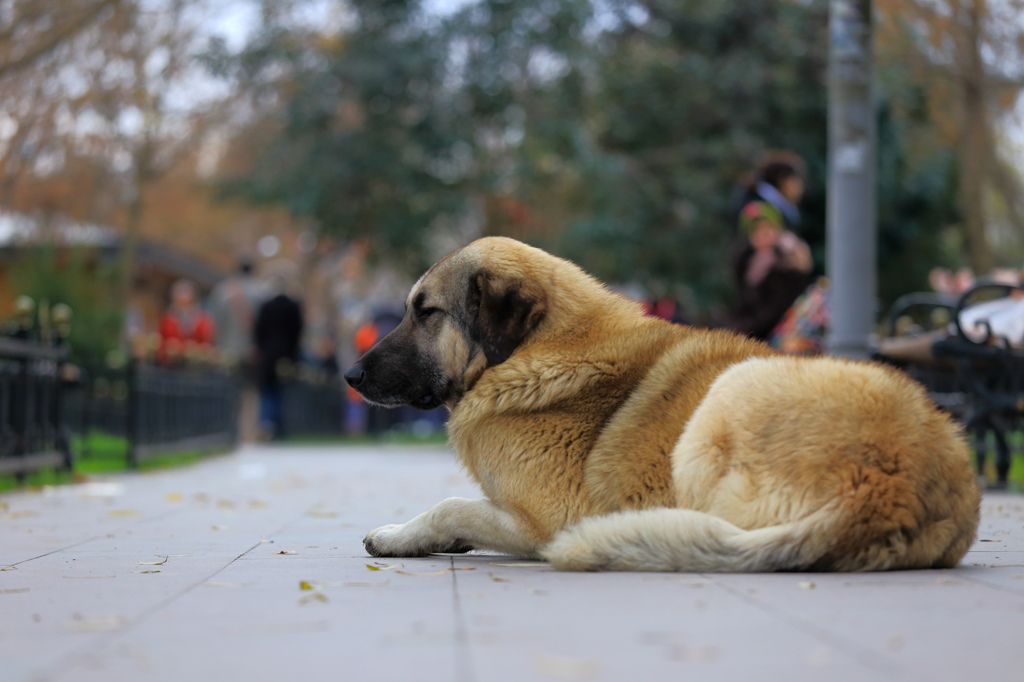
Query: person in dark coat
{"points": [[276, 335], [771, 267]]}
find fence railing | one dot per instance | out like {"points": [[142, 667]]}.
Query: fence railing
{"points": [[33, 434], [155, 409], [180, 408]]}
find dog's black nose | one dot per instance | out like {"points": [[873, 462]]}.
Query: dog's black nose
{"points": [[354, 375]]}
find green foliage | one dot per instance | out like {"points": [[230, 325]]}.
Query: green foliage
{"points": [[75, 277], [363, 145], [621, 128]]}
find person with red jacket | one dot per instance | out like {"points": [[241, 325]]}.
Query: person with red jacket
{"points": [[185, 326]]}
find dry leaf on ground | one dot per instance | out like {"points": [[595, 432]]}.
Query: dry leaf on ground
{"points": [[83, 623], [123, 513], [378, 566], [447, 570], [316, 596], [288, 551], [14, 590], [562, 668], [498, 579], [163, 560], [806, 586]]}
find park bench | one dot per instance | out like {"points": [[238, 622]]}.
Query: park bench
{"points": [[974, 374]]}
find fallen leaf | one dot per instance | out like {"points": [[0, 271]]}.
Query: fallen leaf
{"points": [[497, 579], [378, 566], [287, 551], [123, 513], [806, 586], [562, 668], [82, 623], [316, 596], [14, 590], [266, 541], [143, 572], [174, 498], [306, 585], [9, 568], [988, 540], [23, 514], [154, 563], [447, 570]]}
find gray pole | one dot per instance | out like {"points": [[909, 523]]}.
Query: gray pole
{"points": [[850, 237]]}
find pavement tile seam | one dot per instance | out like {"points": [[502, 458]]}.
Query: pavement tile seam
{"points": [[104, 640], [866, 657], [464, 668]]}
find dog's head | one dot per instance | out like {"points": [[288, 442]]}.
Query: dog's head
{"points": [[470, 311]]}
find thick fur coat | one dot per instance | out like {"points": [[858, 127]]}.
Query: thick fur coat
{"points": [[604, 439]]}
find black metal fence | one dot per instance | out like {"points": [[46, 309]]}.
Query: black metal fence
{"points": [[32, 429], [155, 409]]}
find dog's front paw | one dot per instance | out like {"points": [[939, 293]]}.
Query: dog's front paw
{"points": [[387, 541], [403, 540]]}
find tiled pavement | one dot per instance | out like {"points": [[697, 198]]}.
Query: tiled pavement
{"points": [[250, 567]]}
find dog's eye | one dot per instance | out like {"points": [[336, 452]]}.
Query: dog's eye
{"points": [[424, 313]]}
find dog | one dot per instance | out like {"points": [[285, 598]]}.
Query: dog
{"points": [[604, 439]]}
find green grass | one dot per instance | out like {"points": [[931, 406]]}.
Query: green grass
{"points": [[98, 453]]}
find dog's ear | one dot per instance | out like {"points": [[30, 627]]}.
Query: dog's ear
{"points": [[506, 310]]}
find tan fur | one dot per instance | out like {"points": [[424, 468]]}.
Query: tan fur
{"points": [[611, 440]]}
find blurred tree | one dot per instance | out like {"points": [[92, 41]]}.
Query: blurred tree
{"points": [[74, 277], [969, 57], [358, 130], [615, 132]]}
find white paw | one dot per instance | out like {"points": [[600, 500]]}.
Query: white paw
{"points": [[389, 540], [409, 540]]}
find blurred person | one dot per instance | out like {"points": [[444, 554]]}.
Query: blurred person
{"points": [[277, 333], [771, 269], [992, 321], [185, 325], [233, 305], [779, 182]]}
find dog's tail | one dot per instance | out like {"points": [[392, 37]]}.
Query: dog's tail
{"points": [[692, 541]]}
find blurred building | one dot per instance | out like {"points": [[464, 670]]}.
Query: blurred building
{"points": [[156, 266]]}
